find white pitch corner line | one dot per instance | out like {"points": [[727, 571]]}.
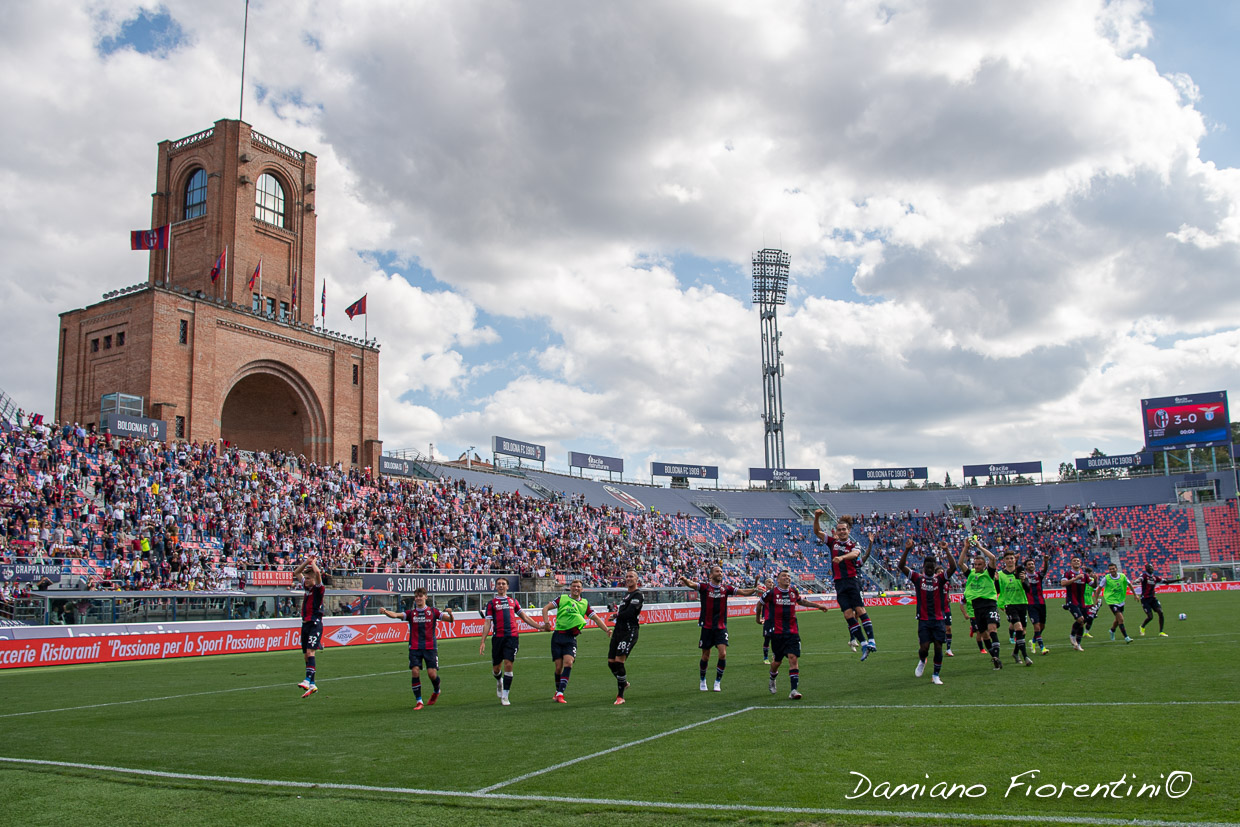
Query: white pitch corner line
{"points": [[610, 750], [653, 805]]}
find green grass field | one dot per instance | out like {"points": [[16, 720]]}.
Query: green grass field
{"points": [[238, 745]]}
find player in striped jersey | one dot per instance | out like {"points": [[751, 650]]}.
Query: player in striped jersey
{"points": [[780, 604], [1075, 582], [1149, 597], [423, 650], [311, 617], [933, 607], [713, 618], [500, 616], [1034, 578], [845, 568]]}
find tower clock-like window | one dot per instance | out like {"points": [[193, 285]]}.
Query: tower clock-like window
{"points": [[196, 195], [269, 200]]}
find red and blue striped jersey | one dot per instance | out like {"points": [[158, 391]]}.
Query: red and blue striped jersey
{"points": [[781, 609], [846, 569], [932, 598], [714, 614], [1076, 591], [422, 627], [503, 614], [1149, 585], [312, 603], [1033, 588]]}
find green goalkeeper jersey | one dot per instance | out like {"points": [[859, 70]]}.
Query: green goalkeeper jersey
{"points": [[1114, 589], [980, 584], [1011, 590], [570, 615]]}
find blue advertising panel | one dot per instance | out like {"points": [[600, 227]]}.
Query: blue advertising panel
{"points": [[1003, 469], [395, 466], [134, 426], [672, 469], [785, 474], [517, 448], [1121, 461], [595, 463], [1191, 420], [910, 473]]}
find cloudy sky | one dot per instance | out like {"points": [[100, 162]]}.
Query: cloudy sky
{"points": [[1008, 222]]}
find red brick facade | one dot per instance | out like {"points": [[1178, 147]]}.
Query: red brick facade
{"points": [[202, 358]]}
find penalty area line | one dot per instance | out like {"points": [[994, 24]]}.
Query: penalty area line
{"points": [[614, 802], [610, 750]]}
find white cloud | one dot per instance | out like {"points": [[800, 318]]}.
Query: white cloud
{"points": [[1014, 187]]}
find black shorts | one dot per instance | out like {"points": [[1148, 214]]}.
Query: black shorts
{"points": [[1077, 610], [1037, 613], [985, 612], [768, 629], [783, 645], [429, 657], [1115, 608], [504, 648], [623, 639], [563, 644], [848, 595], [1151, 604], [1017, 613], [931, 631], [312, 634], [710, 638]]}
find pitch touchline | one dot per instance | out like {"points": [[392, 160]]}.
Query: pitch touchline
{"points": [[659, 805], [686, 727], [648, 738], [215, 692]]}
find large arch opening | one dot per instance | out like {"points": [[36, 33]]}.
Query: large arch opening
{"points": [[270, 407]]}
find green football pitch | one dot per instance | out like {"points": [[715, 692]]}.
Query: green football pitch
{"points": [[228, 740]]}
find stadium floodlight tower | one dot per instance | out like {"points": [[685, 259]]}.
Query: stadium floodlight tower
{"points": [[770, 289]]}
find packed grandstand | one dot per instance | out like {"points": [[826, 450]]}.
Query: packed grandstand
{"points": [[124, 513]]}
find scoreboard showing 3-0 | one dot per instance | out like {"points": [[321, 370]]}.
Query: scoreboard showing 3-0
{"points": [[1195, 420]]}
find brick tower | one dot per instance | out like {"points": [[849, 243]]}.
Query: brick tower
{"points": [[217, 359]]}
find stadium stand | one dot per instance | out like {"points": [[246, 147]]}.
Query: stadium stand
{"points": [[119, 512]]}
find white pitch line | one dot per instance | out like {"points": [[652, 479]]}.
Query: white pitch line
{"points": [[1077, 704], [610, 750], [215, 692], [613, 802]]}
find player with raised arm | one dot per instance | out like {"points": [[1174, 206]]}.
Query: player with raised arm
{"points": [[1014, 601], [1149, 597], [311, 618], [571, 613], [933, 607], [500, 616], [781, 606], [765, 622], [1034, 578], [844, 571], [983, 595], [423, 650], [713, 618], [624, 632], [1114, 588], [1075, 580], [1095, 605]]}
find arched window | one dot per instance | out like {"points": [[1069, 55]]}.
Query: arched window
{"points": [[196, 195], [269, 200]]}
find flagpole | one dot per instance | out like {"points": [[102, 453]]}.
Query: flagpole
{"points": [[245, 32], [226, 272]]}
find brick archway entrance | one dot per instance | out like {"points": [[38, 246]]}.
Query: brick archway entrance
{"points": [[270, 406]]}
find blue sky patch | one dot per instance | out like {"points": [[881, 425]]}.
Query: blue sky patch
{"points": [[149, 33]]}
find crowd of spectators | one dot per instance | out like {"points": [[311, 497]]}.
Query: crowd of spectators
{"points": [[137, 514]]}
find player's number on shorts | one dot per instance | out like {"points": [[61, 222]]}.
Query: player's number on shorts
{"points": [[622, 646], [313, 640]]}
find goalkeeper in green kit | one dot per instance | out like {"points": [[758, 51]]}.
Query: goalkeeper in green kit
{"points": [[1114, 587]]}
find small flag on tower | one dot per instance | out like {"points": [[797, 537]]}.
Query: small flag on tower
{"points": [[220, 264], [358, 308], [256, 277], [156, 239], [294, 301], [324, 311]]}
